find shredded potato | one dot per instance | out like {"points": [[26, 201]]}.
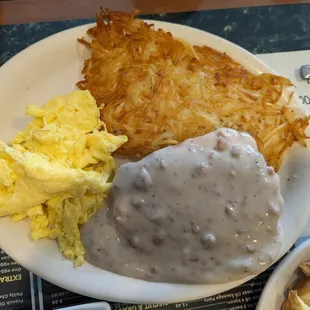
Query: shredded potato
{"points": [[159, 90]]}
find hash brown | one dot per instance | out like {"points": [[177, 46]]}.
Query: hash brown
{"points": [[159, 90]]}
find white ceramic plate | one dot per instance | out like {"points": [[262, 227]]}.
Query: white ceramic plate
{"points": [[52, 67], [91, 306], [283, 278]]}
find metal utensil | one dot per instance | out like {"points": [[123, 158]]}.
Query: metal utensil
{"points": [[304, 72]]}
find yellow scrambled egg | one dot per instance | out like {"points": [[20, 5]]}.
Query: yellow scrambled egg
{"points": [[57, 170]]}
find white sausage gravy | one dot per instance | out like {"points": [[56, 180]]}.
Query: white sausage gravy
{"points": [[203, 211]]}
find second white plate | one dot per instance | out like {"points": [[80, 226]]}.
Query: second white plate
{"points": [[283, 278]]}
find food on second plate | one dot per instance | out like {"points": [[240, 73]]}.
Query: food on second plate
{"points": [[159, 91], [299, 298], [57, 171], [203, 211], [305, 268], [294, 302]]}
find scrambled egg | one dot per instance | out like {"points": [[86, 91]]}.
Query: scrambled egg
{"points": [[57, 171]]}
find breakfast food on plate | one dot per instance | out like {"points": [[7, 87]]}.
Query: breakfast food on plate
{"points": [[203, 211], [203, 206], [57, 171], [299, 298], [159, 91]]}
